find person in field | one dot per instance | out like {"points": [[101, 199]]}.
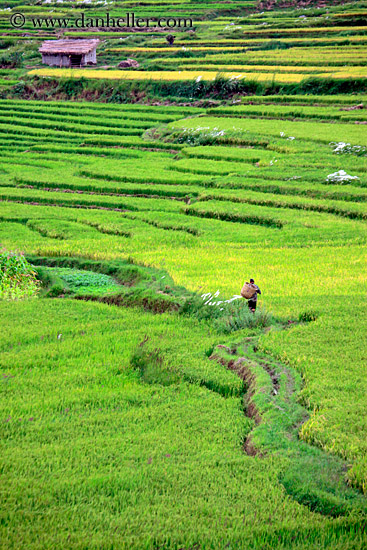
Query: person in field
{"points": [[252, 303]]}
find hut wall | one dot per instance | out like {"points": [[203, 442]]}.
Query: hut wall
{"points": [[63, 60], [90, 57], [56, 60]]}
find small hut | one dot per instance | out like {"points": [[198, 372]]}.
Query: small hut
{"points": [[69, 53]]}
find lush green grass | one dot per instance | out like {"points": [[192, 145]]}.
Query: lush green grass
{"points": [[279, 111], [17, 278], [80, 282], [99, 452], [324, 133], [118, 430], [272, 195], [320, 393]]}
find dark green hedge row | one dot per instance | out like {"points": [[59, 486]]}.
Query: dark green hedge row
{"points": [[113, 91]]}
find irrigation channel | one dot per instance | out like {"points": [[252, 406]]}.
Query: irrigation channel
{"points": [[270, 391]]}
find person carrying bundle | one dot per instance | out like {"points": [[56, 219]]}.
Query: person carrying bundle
{"points": [[250, 292]]}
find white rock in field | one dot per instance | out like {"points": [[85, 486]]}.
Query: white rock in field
{"points": [[341, 176]]}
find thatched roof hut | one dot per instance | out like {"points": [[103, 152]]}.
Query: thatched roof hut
{"points": [[69, 53]]}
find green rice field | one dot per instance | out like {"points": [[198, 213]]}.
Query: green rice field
{"points": [[143, 406]]}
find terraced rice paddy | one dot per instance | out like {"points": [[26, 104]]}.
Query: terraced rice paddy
{"points": [[212, 195], [269, 47], [191, 75], [134, 413]]}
